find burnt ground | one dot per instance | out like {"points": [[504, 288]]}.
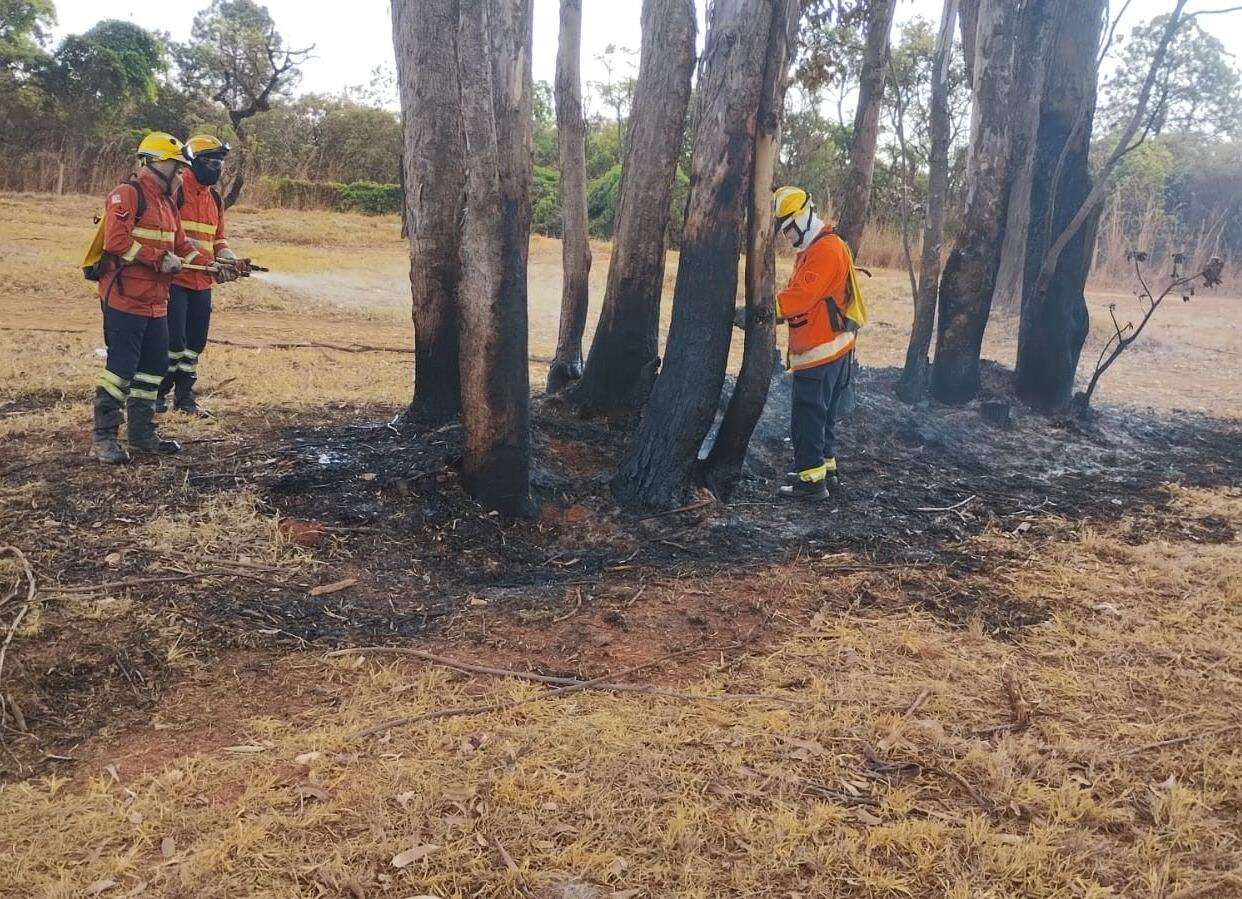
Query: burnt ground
{"points": [[387, 509]]}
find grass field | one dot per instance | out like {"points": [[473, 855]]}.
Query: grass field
{"points": [[835, 733]]}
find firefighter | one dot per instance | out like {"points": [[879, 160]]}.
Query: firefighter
{"points": [[189, 300], [821, 339], [143, 247]]}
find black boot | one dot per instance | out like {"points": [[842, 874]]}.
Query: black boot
{"points": [[161, 396], [143, 438], [104, 445], [184, 400], [800, 489]]}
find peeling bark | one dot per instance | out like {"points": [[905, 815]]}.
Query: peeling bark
{"points": [[624, 355]]}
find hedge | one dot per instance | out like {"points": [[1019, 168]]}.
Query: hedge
{"points": [[367, 197]]}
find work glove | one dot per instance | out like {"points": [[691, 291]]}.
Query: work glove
{"points": [[227, 255], [222, 274], [170, 263]]}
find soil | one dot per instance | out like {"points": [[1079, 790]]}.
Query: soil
{"points": [[584, 586]]}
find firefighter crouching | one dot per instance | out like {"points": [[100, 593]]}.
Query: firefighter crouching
{"points": [[189, 301], [139, 248], [821, 339]]}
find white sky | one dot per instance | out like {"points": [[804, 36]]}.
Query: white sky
{"points": [[353, 38]]}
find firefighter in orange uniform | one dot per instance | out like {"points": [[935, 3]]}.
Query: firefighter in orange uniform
{"points": [[144, 246], [821, 340], [189, 301]]}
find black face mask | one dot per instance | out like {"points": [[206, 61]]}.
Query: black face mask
{"points": [[207, 169]]}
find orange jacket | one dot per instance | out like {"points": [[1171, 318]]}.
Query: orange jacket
{"points": [[202, 216], [820, 275], [135, 284]]}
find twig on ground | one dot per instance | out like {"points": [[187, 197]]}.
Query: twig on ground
{"points": [[506, 705], [947, 508], [513, 869], [552, 680], [29, 572], [693, 507], [1178, 741], [1019, 708]]}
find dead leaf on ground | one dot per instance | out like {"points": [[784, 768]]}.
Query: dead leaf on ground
{"points": [[311, 790], [100, 886], [417, 853], [168, 847]]}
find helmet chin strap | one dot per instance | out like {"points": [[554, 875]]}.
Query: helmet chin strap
{"points": [[802, 229], [165, 179]]}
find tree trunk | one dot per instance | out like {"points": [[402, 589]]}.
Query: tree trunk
{"points": [[970, 32], [575, 247], [723, 466], [856, 198], [659, 459], [970, 274], [624, 353], [493, 54], [913, 385], [1054, 321], [241, 159], [425, 39]]}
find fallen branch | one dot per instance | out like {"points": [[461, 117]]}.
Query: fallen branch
{"points": [[1179, 741], [693, 507], [506, 705], [513, 869], [552, 680], [313, 345], [32, 590]]}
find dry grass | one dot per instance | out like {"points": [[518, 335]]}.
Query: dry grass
{"points": [[666, 797], [739, 799]]}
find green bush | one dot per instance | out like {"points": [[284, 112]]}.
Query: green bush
{"points": [[370, 198], [545, 202], [602, 195]]}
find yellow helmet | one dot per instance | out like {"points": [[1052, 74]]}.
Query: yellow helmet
{"points": [[788, 202], [159, 146], [207, 145]]}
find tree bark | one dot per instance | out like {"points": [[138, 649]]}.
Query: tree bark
{"points": [[575, 246], [970, 274], [723, 467], [493, 55], [913, 384], [970, 32], [856, 198], [656, 469], [1054, 321], [624, 355], [425, 40]]}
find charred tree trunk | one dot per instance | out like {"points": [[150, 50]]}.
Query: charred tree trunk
{"points": [[575, 247], [1054, 320], [240, 161], [970, 31], [970, 274], [624, 353], [425, 40], [723, 467], [913, 384], [856, 198], [493, 55], [656, 469]]}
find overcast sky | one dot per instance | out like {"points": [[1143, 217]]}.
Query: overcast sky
{"points": [[352, 38]]}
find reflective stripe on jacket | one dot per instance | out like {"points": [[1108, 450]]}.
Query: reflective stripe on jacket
{"points": [[135, 285], [820, 275], [202, 217]]}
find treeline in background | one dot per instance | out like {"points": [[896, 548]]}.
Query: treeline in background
{"points": [[72, 110]]}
